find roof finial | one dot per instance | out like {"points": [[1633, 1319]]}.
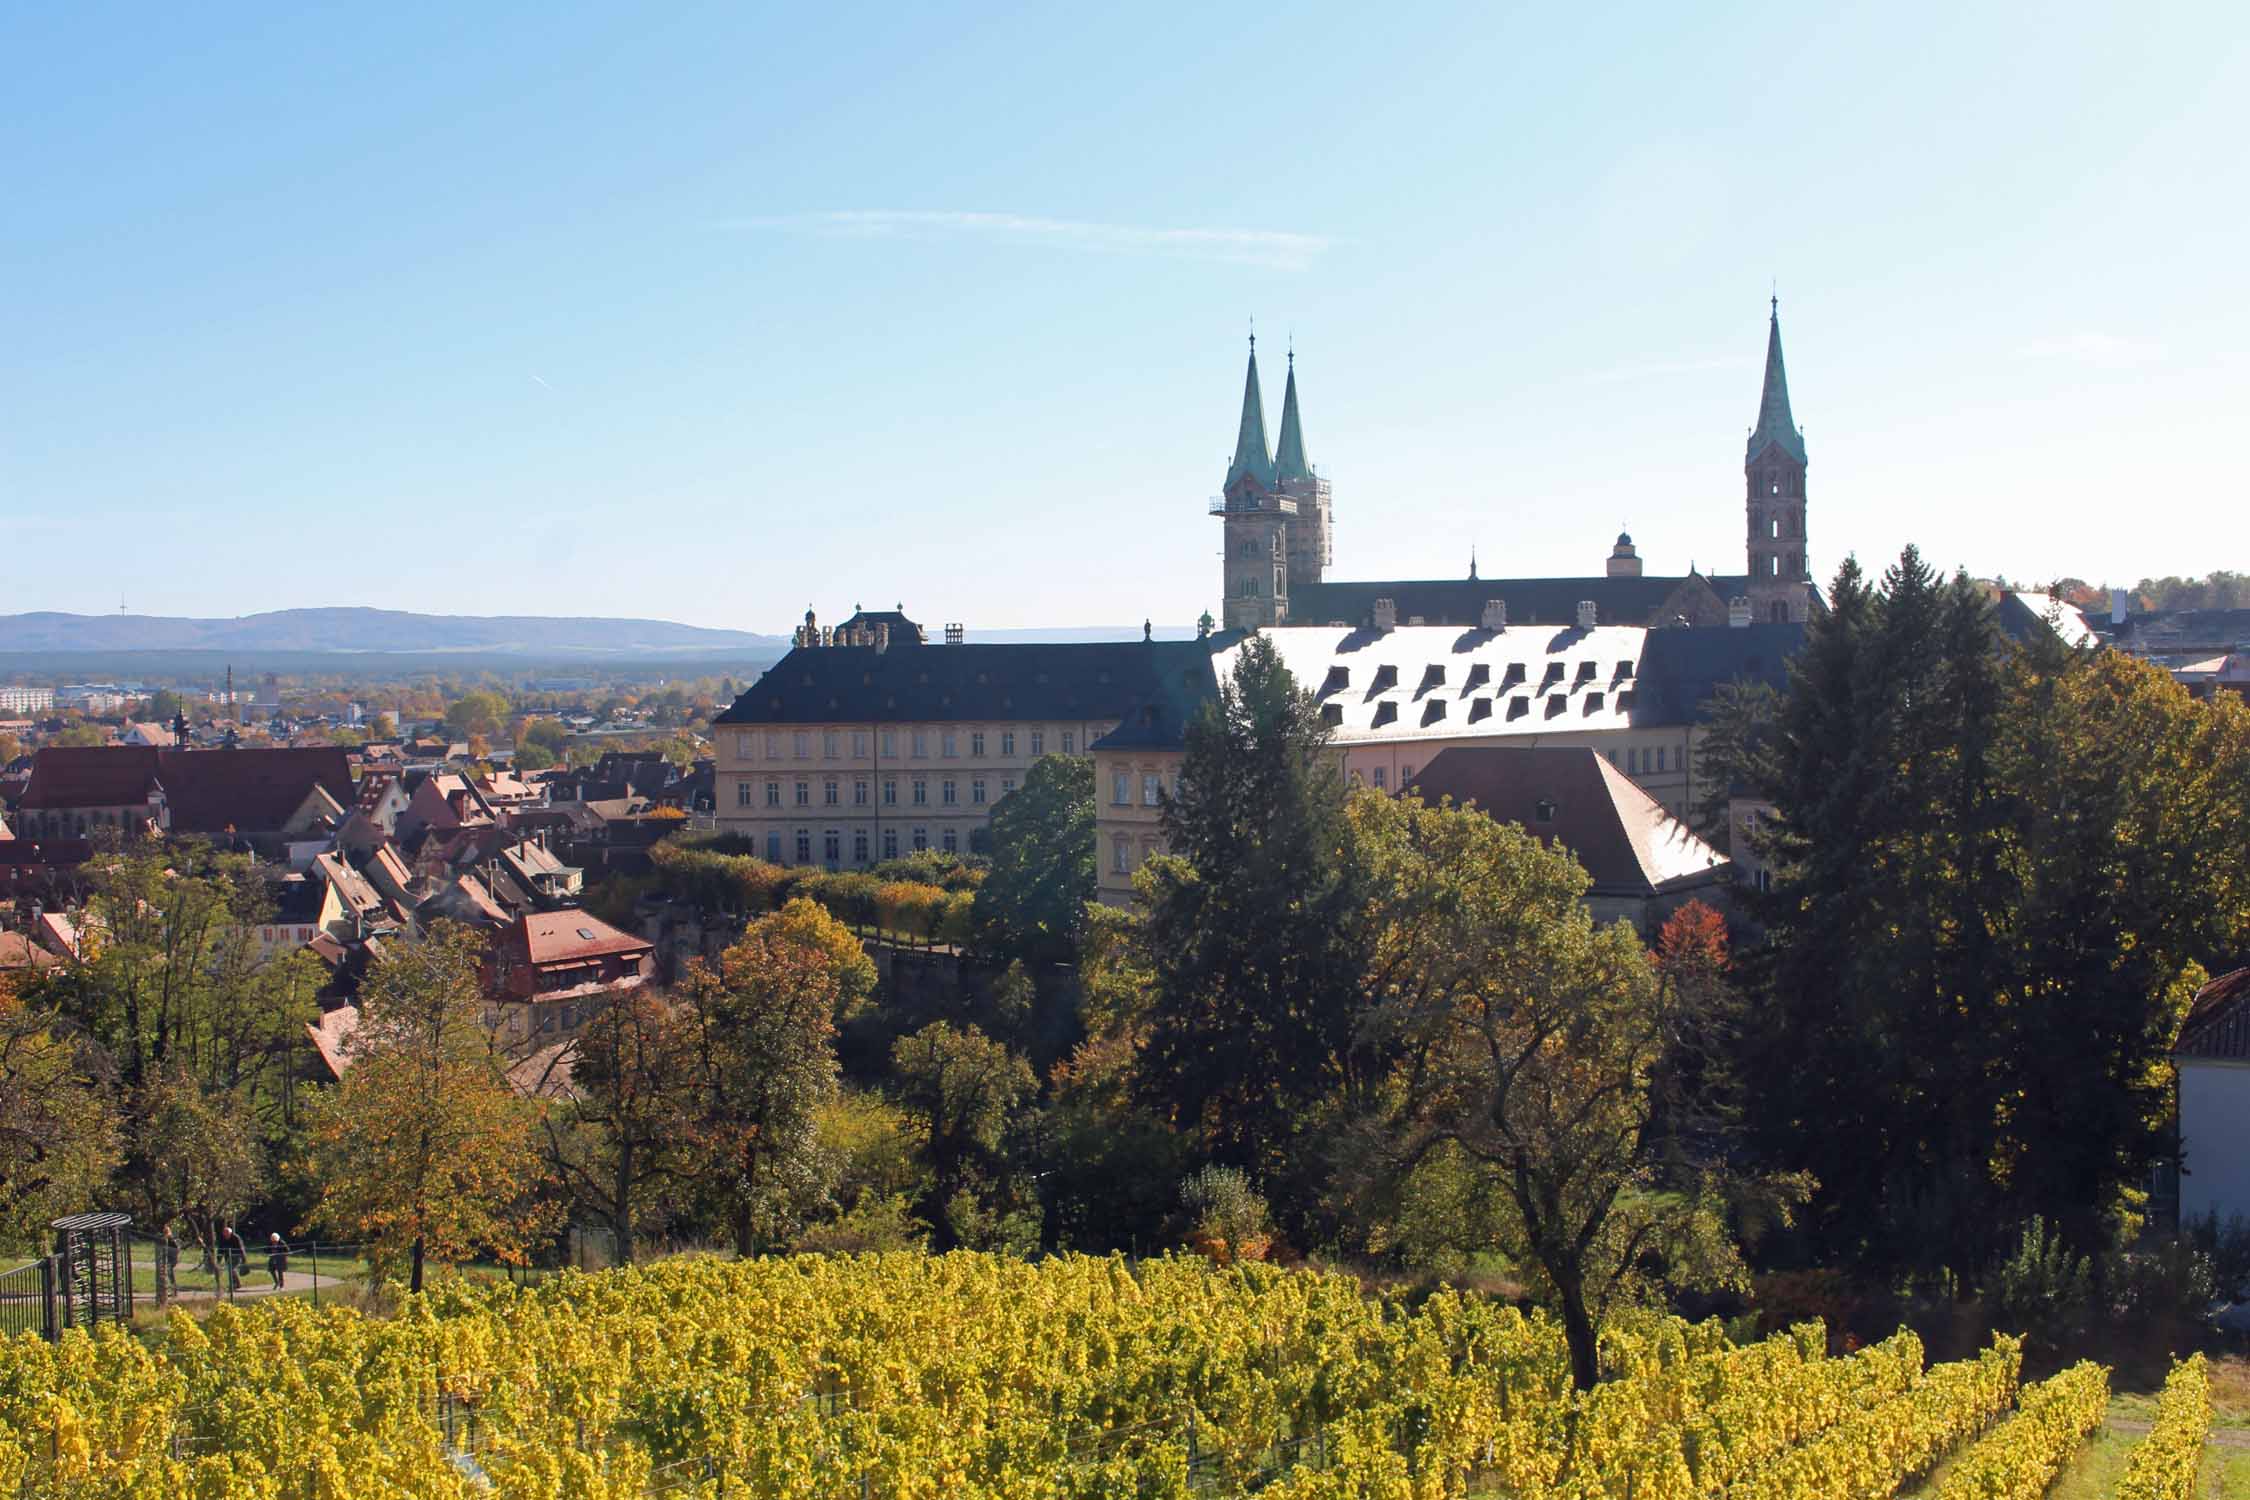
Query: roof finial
{"points": [[1253, 333]]}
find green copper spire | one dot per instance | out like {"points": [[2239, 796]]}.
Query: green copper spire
{"points": [[1775, 425], [1251, 456], [1289, 455]]}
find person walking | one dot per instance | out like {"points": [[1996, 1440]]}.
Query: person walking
{"points": [[277, 1259], [231, 1255]]}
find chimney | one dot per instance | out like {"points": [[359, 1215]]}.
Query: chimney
{"points": [[1496, 614], [1386, 614], [2116, 606], [1738, 612], [1585, 614], [954, 633]]}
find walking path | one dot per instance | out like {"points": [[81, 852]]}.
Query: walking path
{"points": [[2218, 1437]]}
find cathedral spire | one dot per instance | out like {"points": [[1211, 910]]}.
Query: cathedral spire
{"points": [[1289, 455], [1775, 425], [1251, 456]]}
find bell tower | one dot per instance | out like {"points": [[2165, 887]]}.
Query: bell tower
{"points": [[1255, 516], [1780, 584]]}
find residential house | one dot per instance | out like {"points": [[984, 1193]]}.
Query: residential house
{"points": [[550, 972]]}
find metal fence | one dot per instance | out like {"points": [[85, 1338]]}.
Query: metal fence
{"points": [[166, 1271], [27, 1299]]}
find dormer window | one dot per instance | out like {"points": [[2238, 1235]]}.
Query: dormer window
{"points": [[1339, 678], [1385, 713], [1553, 676], [1585, 673], [1479, 708], [1544, 810], [1512, 677], [1386, 678], [1479, 675], [1433, 676], [1332, 714]]}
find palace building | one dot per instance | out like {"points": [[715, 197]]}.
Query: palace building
{"points": [[868, 740]]}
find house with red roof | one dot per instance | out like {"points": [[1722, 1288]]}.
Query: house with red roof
{"points": [[550, 972]]}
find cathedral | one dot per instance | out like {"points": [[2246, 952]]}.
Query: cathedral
{"points": [[1279, 525]]}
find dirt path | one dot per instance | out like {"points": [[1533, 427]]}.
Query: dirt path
{"points": [[2218, 1437]]}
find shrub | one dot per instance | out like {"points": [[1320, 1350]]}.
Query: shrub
{"points": [[2042, 1286], [1231, 1222]]}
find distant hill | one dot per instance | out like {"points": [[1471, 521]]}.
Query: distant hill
{"points": [[353, 630]]}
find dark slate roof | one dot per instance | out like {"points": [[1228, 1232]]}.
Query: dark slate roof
{"points": [[903, 630], [1682, 668], [209, 791], [1626, 840], [2171, 629], [1058, 680], [1160, 721], [1530, 601]]}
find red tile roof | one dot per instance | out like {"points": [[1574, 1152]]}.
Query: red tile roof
{"points": [[331, 1037], [2218, 1022], [556, 937], [19, 952], [209, 791], [1626, 840]]}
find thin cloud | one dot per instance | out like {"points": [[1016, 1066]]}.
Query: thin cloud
{"points": [[2108, 350], [542, 384], [1273, 249]]}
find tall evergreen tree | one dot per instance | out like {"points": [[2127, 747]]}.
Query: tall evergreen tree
{"points": [[1255, 933]]}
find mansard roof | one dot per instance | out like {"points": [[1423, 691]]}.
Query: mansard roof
{"points": [[969, 683], [1446, 682], [1631, 600]]}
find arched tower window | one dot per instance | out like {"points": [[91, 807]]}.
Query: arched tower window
{"points": [[1781, 611]]}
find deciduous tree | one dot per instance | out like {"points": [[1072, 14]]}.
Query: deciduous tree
{"points": [[424, 1150]]}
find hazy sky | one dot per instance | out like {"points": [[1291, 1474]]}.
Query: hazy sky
{"points": [[706, 312]]}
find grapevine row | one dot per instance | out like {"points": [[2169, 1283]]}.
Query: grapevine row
{"points": [[2162, 1465], [2020, 1458]]}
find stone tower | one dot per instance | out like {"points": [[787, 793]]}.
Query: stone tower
{"points": [[1312, 541], [1256, 517], [1774, 472]]}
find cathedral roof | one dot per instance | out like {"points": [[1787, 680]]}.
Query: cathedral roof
{"points": [[1251, 456], [1775, 425], [1289, 456], [1530, 601]]}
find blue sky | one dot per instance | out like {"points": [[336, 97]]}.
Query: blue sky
{"points": [[710, 312]]}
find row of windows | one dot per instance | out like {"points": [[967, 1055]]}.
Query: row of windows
{"points": [[1635, 761], [832, 844], [1152, 788], [832, 791], [919, 742], [1121, 853]]}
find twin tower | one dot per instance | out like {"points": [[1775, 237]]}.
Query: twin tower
{"points": [[1281, 529]]}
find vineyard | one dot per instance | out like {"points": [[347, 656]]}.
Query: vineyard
{"points": [[965, 1375]]}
